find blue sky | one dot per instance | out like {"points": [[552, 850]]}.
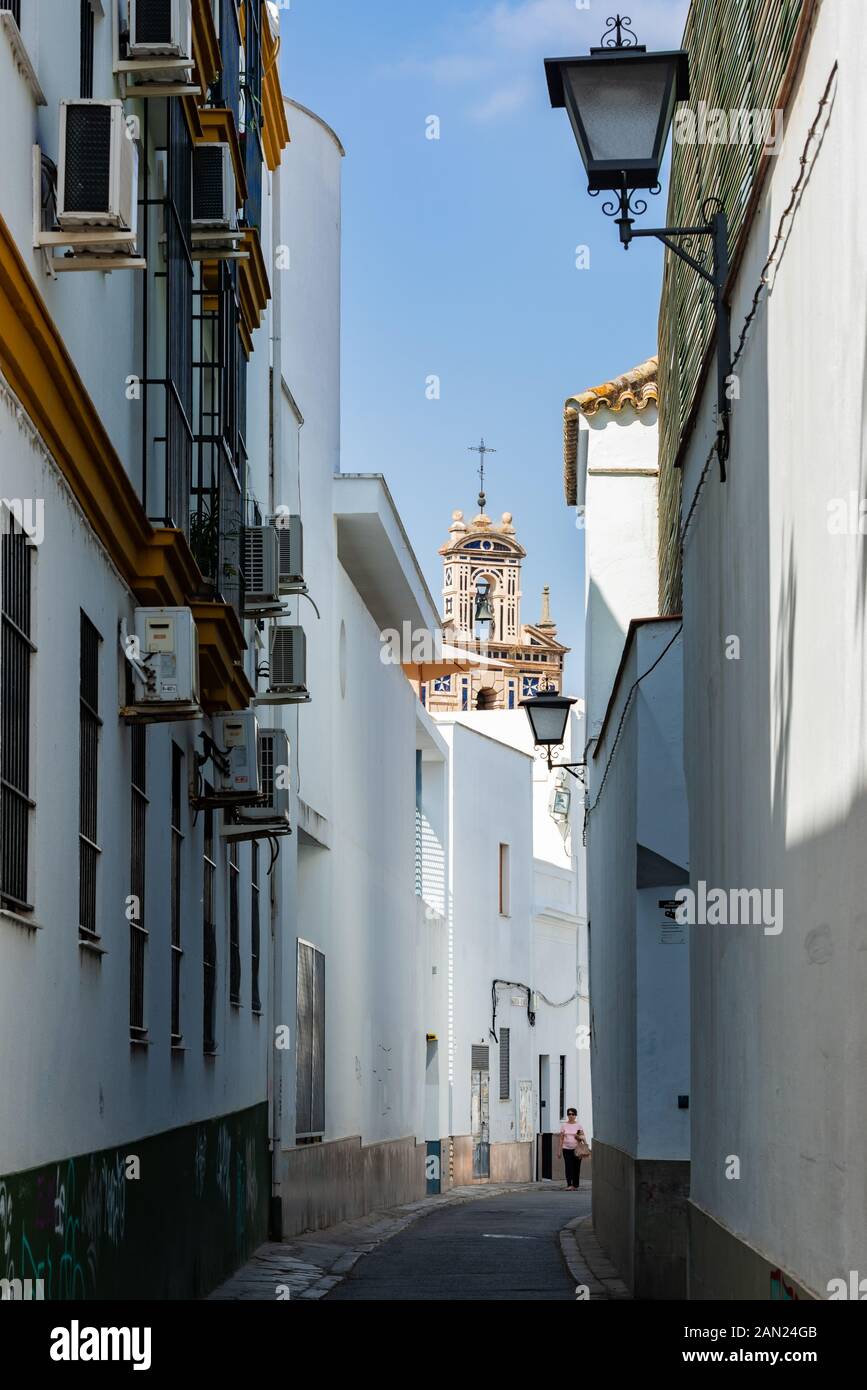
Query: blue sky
{"points": [[459, 260]]}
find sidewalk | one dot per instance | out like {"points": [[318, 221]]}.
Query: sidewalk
{"points": [[587, 1262], [309, 1265]]}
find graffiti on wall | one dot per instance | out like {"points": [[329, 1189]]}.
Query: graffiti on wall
{"points": [[170, 1220]]}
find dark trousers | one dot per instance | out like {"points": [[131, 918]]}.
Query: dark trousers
{"points": [[573, 1167]]}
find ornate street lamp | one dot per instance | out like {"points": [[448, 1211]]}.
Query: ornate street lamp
{"points": [[548, 713], [621, 102]]}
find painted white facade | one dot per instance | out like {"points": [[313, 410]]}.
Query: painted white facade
{"points": [[559, 960], [774, 740], [637, 856]]}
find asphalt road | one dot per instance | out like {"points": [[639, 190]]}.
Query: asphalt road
{"points": [[494, 1248]]}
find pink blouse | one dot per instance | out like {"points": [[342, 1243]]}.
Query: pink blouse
{"points": [[569, 1131]]}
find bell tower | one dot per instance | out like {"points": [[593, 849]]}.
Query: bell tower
{"points": [[482, 581], [482, 558]]}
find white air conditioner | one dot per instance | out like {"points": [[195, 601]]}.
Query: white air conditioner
{"points": [[97, 176], [214, 205], [168, 650], [260, 564], [236, 737], [273, 777], [290, 534], [288, 660], [160, 29]]}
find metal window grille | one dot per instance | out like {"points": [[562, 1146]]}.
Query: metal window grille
{"points": [[138, 878], [86, 83], [167, 398], [562, 1086], [234, 927], [250, 119], [310, 1036], [255, 929], [219, 460], [479, 1057], [209, 934], [226, 91], [177, 879], [16, 648], [88, 768], [505, 1065], [15, 7]]}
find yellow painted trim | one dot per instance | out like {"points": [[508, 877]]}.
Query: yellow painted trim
{"points": [[157, 565], [206, 47], [275, 128], [254, 289]]}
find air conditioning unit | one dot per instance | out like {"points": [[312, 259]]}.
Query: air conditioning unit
{"points": [[260, 565], [236, 736], [290, 534], [168, 649], [273, 777], [270, 816], [160, 29], [97, 179], [214, 205], [288, 661]]}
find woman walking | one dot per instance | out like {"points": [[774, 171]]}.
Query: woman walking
{"points": [[572, 1147]]}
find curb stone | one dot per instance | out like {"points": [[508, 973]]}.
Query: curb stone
{"points": [[329, 1258], [587, 1262]]}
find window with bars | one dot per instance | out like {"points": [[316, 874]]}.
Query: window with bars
{"points": [[167, 323], [310, 1039], [250, 116], [16, 649], [219, 456], [15, 7], [255, 928], [137, 879], [562, 1086], [177, 866], [209, 934], [505, 1065], [88, 778], [86, 81], [234, 926]]}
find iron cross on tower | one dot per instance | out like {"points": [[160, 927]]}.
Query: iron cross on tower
{"points": [[481, 450]]}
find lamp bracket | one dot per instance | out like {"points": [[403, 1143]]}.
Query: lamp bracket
{"points": [[576, 770], [715, 226]]}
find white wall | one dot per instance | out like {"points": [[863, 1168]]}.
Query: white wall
{"points": [[775, 741], [618, 488], [74, 1082], [559, 921], [490, 805], [639, 958]]}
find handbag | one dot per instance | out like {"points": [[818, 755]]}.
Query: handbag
{"points": [[582, 1148]]}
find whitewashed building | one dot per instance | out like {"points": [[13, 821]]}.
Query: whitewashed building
{"points": [[134, 368], [637, 840], [772, 584]]}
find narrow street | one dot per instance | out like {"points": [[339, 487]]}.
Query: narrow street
{"points": [[505, 1248]]}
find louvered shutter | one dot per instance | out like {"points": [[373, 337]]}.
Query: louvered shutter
{"points": [[505, 1065]]}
